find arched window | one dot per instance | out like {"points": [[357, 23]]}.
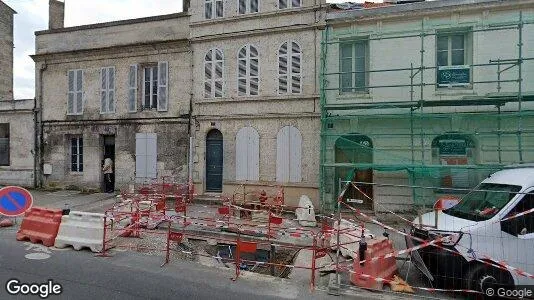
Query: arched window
{"points": [[213, 74], [247, 154], [248, 71], [289, 3], [288, 155], [289, 72]]}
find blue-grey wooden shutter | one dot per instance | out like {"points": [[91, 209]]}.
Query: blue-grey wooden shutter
{"points": [[132, 89], [288, 155], [145, 156], [163, 78], [247, 154]]}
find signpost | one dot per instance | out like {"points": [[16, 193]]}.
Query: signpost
{"points": [[14, 201]]}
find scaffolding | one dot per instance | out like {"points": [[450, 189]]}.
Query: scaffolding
{"points": [[407, 136]]}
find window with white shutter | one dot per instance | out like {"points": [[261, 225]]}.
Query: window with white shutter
{"points": [[248, 6], [107, 90], [163, 78], [288, 155], [213, 74], [248, 71], [247, 154], [75, 93], [289, 68], [146, 156], [132, 89], [213, 9], [282, 4]]}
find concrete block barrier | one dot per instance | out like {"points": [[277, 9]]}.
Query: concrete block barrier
{"points": [[40, 225], [365, 273], [81, 229]]}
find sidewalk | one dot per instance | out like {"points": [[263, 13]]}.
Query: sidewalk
{"points": [[74, 200]]}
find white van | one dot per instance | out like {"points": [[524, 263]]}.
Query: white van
{"points": [[482, 232]]}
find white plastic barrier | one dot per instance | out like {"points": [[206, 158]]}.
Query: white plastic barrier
{"points": [[81, 229], [306, 212], [349, 238]]}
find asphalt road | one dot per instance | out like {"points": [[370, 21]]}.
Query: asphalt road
{"points": [[130, 275]]}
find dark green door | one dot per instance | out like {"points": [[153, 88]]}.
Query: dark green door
{"points": [[214, 161]]}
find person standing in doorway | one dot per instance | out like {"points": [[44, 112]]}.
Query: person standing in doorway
{"points": [[108, 173]]}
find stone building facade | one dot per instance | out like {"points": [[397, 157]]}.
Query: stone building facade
{"points": [[255, 96], [117, 89], [17, 117], [242, 77], [6, 51]]}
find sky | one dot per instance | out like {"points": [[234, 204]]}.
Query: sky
{"points": [[32, 15]]}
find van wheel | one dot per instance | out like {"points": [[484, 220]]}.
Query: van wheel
{"points": [[481, 278]]}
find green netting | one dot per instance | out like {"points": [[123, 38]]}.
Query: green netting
{"points": [[409, 146]]}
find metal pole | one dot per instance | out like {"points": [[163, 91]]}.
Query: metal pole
{"points": [[411, 112], [520, 89], [338, 277], [422, 89]]}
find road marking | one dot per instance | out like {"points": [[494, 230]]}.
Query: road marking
{"points": [[37, 256]]}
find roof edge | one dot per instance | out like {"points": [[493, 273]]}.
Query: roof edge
{"points": [[9, 7], [114, 23]]}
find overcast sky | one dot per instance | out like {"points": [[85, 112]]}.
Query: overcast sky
{"points": [[32, 15]]}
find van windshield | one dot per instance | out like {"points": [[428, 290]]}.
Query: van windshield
{"points": [[483, 202]]}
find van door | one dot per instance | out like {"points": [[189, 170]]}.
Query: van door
{"points": [[518, 238]]}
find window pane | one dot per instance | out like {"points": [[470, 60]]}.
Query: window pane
{"points": [[295, 84], [71, 81], [360, 66], [253, 52], [103, 106], [443, 58], [111, 101], [218, 70], [218, 55], [70, 103], [218, 89], [147, 93], [242, 87], [219, 9], [457, 57], [111, 79], [282, 64], [254, 85], [296, 3], [208, 70], [131, 100], [208, 10], [443, 43], [242, 6], [207, 89], [346, 76], [254, 67], [242, 68], [346, 50], [359, 49], [457, 42], [79, 100], [282, 84], [243, 52], [282, 4], [103, 76], [360, 82], [253, 6], [295, 64], [283, 49], [79, 78]]}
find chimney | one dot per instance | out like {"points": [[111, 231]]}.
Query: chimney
{"points": [[186, 5], [56, 14]]}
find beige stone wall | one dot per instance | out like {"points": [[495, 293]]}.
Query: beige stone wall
{"points": [[6, 52], [20, 117], [268, 112]]}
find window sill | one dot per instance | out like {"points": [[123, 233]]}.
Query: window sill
{"points": [[351, 96], [455, 91], [76, 173]]}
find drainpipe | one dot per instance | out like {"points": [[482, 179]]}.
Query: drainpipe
{"points": [[35, 142], [41, 130]]}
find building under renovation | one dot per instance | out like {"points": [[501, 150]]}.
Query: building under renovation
{"points": [[421, 101]]}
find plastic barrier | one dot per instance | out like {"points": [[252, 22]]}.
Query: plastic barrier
{"points": [[40, 225], [382, 268], [81, 229]]}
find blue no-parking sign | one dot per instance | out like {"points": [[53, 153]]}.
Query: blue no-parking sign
{"points": [[14, 201]]}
